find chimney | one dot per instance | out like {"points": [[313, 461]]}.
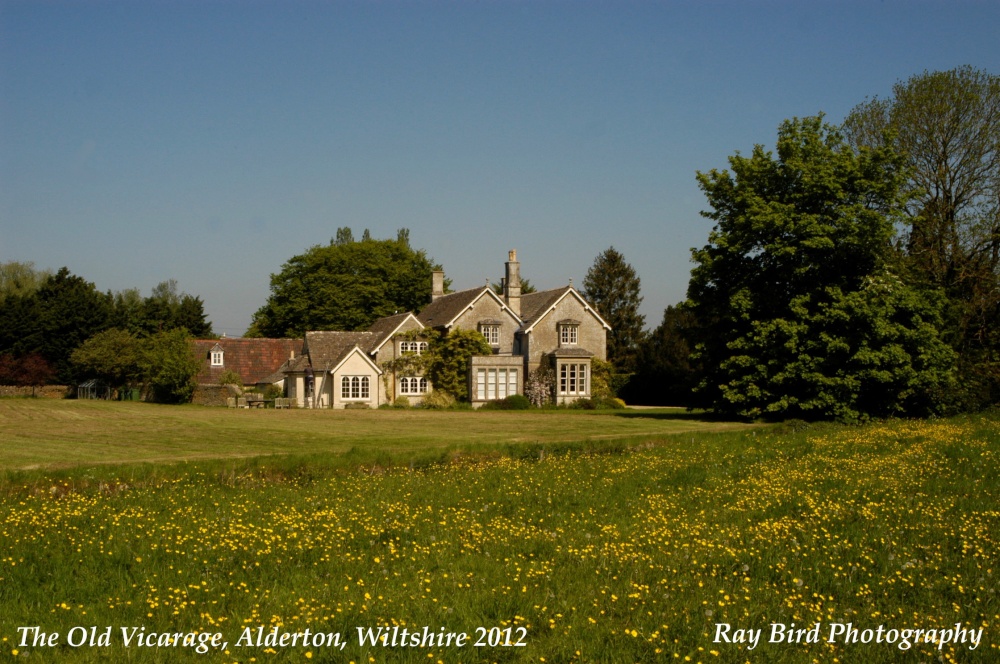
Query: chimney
{"points": [[437, 284], [512, 283]]}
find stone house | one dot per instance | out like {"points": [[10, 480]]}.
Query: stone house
{"points": [[555, 329]]}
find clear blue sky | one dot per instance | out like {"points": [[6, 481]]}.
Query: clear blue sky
{"points": [[211, 141]]}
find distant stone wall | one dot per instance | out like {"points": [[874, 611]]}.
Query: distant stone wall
{"points": [[213, 395], [46, 391]]}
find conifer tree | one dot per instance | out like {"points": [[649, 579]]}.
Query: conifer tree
{"points": [[612, 286]]}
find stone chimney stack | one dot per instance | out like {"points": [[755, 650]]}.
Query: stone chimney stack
{"points": [[437, 284], [512, 283]]}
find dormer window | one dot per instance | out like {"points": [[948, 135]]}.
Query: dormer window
{"points": [[491, 331], [568, 332], [216, 356]]}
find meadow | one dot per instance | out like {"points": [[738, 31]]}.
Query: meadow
{"points": [[632, 548]]}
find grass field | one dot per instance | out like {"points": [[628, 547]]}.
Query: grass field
{"points": [[56, 433], [615, 551]]}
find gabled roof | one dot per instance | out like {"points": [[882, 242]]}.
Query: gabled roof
{"points": [[535, 306], [328, 349], [385, 328], [443, 311], [253, 360], [356, 350]]}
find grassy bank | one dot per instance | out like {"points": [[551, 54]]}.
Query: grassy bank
{"points": [[596, 555]]}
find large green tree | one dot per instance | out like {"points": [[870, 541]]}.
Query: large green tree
{"points": [[113, 356], [612, 286], [800, 308], [64, 312], [345, 285], [169, 366], [947, 126]]}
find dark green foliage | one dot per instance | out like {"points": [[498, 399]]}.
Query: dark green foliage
{"points": [[164, 309], [446, 363], [513, 402], [113, 356], [666, 375], [64, 312], [169, 367], [450, 358], [345, 285], [598, 403], [162, 364], [947, 126], [526, 287], [800, 311], [612, 286]]}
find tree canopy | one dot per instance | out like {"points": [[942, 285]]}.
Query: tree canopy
{"points": [[946, 125], [612, 286], [345, 285], [800, 308], [51, 315]]}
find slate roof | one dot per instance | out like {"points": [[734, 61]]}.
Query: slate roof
{"points": [[327, 349], [383, 327], [535, 304], [253, 360], [443, 310]]}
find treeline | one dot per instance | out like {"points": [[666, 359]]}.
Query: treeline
{"points": [[854, 273], [45, 317]]}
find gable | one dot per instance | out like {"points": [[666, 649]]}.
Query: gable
{"points": [[355, 361], [384, 329], [326, 349], [563, 303], [487, 309], [447, 310]]}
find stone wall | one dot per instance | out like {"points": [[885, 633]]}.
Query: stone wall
{"points": [[46, 391], [213, 395]]}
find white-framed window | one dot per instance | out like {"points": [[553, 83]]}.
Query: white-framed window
{"points": [[416, 347], [413, 385], [568, 334], [355, 388], [495, 383], [573, 379], [491, 332], [217, 358]]}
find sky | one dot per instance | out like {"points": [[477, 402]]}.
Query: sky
{"points": [[211, 141]]}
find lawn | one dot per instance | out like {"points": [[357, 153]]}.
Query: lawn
{"points": [[58, 433], [605, 552]]}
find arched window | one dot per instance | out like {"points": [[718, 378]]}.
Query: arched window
{"points": [[355, 388]]}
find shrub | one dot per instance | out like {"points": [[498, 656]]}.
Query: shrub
{"points": [[230, 377], [598, 403], [354, 405], [513, 402], [438, 400], [402, 401]]}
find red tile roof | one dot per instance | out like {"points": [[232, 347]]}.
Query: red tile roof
{"points": [[252, 359]]}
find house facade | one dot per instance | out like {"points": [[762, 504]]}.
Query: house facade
{"points": [[555, 330]]}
